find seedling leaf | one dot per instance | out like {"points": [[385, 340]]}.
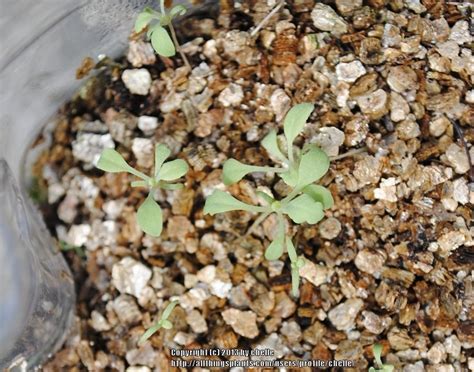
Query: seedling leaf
{"points": [[173, 170], [169, 308], [150, 216], [178, 10], [234, 171], [220, 202], [111, 161], [295, 121], [290, 248], [166, 324], [290, 177], [162, 43], [161, 154], [304, 209], [320, 194], [149, 332], [313, 165], [275, 249], [143, 19], [270, 143]]}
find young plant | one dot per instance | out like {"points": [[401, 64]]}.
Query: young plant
{"points": [[149, 214], [161, 41], [377, 349], [63, 246], [162, 323], [301, 168]]}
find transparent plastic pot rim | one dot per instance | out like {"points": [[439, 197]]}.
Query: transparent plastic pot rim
{"points": [[43, 43]]}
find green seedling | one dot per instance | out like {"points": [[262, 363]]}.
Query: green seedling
{"points": [[301, 168], [163, 44], [149, 214], [377, 349], [63, 246], [162, 323]]}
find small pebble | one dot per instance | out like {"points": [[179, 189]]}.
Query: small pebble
{"points": [[130, 276], [137, 81]]}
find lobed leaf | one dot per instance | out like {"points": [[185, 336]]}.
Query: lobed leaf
{"points": [[220, 202], [162, 43], [270, 143], [150, 216], [143, 19], [173, 170], [234, 171], [111, 161], [162, 152], [295, 121], [304, 209], [313, 165], [320, 194], [275, 249]]}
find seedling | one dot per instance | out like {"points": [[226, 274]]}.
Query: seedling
{"points": [[63, 246], [149, 214], [163, 44], [377, 349], [301, 168], [162, 323]]}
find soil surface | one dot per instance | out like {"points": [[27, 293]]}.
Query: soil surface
{"points": [[392, 261]]}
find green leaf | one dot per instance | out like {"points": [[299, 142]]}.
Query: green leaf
{"points": [[220, 202], [166, 324], [275, 249], [290, 248], [234, 171], [290, 177], [143, 19], [295, 120], [270, 143], [173, 170], [304, 209], [177, 10], [162, 43], [313, 165], [161, 154], [150, 216], [388, 368], [111, 161], [168, 310], [149, 332], [320, 194]]}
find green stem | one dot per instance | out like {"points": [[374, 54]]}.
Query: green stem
{"points": [[290, 196], [139, 174], [258, 221], [162, 7], [178, 46], [270, 169], [349, 153]]}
